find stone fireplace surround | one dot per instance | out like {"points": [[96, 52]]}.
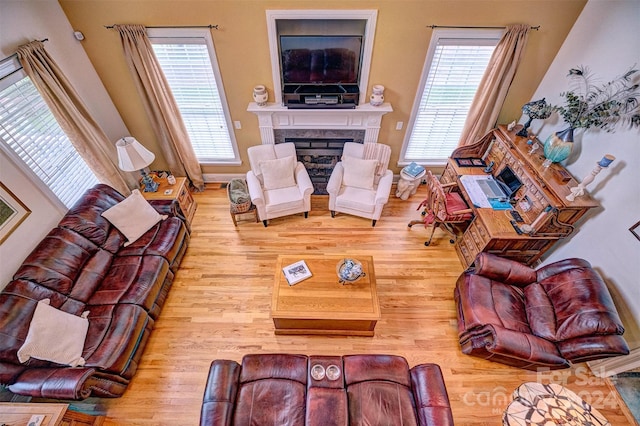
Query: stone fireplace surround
{"points": [[319, 151]]}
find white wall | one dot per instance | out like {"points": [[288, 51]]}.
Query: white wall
{"points": [[605, 39], [44, 216], [22, 21]]}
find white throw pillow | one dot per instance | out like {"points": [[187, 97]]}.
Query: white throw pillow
{"points": [[55, 336], [358, 173], [278, 173], [133, 216]]}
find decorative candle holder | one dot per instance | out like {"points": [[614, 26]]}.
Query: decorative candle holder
{"points": [[260, 95], [578, 191], [377, 97]]}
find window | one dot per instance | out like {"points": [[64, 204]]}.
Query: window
{"points": [[31, 133], [189, 63], [454, 66]]}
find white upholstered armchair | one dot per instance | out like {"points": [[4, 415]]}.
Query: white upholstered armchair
{"points": [[360, 184], [278, 183]]}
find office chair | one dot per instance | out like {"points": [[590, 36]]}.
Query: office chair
{"points": [[444, 210]]}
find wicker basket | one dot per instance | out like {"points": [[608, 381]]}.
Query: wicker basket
{"points": [[237, 207]]}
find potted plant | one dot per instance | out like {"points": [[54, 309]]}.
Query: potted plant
{"points": [[590, 105]]}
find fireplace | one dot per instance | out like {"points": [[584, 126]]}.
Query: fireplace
{"points": [[319, 134], [319, 150]]}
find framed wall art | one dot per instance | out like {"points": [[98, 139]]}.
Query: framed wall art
{"points": [[635, 230], [12, 212]]}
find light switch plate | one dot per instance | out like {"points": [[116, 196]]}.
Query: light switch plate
{"points": [[237, 125], [399, 125]]}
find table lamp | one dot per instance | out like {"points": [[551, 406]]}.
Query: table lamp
{"points": [[535, 110], [133, 156]]}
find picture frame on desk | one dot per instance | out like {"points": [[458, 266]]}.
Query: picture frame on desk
{"points": [[470, 162]]}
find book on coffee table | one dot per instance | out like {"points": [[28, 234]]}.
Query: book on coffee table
{"points": [[296, 272]]}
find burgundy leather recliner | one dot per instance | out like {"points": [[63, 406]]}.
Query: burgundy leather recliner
{"points": [[280, 389], [559, 314]]}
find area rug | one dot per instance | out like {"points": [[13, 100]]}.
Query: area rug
{"points": [[628, 386]]}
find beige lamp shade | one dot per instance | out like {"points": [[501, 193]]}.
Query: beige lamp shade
{"points": [[132, 156]]}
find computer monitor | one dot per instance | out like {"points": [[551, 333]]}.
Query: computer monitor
{"points": [[508, 181]]}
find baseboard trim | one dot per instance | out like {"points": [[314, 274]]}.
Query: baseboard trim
{"points": [[222, 177], [226, 177], [610, 366]]}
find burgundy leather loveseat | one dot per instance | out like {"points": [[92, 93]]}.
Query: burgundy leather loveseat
{"points": [[286, 389], [82, 265], [559, 314]]}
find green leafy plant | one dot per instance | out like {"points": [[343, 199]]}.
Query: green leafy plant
{"points": [[603, 106]]}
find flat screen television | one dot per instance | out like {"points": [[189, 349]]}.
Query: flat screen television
{"points": [[508, 181], [320, 59]]}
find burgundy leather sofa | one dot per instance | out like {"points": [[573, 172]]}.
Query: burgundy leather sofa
{"points": [[559, 314], [82, 265], [280, 389]]}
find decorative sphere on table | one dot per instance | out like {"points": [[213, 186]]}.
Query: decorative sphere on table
{"points": [[349, 271]]}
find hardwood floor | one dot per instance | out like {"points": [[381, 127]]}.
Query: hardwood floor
{"points": [[219, 307]]}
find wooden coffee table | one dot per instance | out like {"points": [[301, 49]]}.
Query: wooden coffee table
{"points": [[320, 305]]}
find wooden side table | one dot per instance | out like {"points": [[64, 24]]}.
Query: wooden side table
{"points": [[237, 215], [179, 192], [408, 185]]}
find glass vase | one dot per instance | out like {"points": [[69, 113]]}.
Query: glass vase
{"points": [[558, 146]]}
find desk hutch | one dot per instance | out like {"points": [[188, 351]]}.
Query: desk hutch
{"points": [[540, 201]]}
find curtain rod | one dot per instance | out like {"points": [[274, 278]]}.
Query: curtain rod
{"points": [[16, 54], [537, 27], [214, 27]]}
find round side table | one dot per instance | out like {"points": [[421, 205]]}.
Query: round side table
{"points": [[408, 185]]}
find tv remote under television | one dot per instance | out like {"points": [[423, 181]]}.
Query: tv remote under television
{"points": [[516, 216]]}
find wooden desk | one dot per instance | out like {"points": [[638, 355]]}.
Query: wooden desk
{"points": [[491, 230], [320, 305]]}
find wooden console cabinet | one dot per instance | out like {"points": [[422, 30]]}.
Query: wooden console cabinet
{"points": [[545, 188]]}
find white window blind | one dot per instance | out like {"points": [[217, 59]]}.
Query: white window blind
{"points": [[187, 65], [454, 73], [29, 129]]}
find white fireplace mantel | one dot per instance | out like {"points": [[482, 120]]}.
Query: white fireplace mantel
{"points": [[275, 116]]}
